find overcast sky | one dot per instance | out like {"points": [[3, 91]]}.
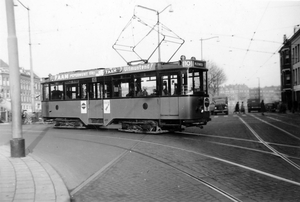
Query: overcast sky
{"points": [[70, 35]]}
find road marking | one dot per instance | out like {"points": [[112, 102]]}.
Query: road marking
{"points": [[268, 146]]}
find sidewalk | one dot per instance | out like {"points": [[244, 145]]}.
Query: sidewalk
{"points": [[29, 179]]}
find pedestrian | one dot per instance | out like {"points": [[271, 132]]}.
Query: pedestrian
{"points": [[242, 108], [24, 116], [237, 108], [262, 107]]}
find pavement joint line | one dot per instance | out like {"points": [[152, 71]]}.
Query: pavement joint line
{"points": [[98, 173], [104, 168], [42, 187], [61, 194], [6, 154]]}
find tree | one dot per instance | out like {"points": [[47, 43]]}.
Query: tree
{"points": [[216, 77]]}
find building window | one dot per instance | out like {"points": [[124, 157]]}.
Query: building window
{"points": [[299, 74], [296, 54], [295, 73], [293, 56]]}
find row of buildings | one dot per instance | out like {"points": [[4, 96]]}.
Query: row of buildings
{"points": [[241, 93], [290, 70], [25, 81]]}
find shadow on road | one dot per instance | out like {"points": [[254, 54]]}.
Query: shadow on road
{"points": [[30, 148]]}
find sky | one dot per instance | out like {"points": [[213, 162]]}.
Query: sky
{"points": [[242, 37]]}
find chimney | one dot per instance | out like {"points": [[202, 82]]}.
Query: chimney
{"points": [[296, 28]]}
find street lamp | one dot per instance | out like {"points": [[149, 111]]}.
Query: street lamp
{"points": [[30, 56], [157, 23], [204, 40]]}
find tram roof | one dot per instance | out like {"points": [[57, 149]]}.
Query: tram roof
{"points": [[89, 73]]}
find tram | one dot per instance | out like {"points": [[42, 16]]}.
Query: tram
{"points": [[148, 97]]}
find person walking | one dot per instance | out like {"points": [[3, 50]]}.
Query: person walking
{"points": [[237, 108], [242, 108], [262, 107]]}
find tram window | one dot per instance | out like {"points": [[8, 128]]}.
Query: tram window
{"points": [[92, 91], [72, 91], [99, 90], [83, 92], [174, 85], [117, 89], [56, 91], [195, 82], [107, 90], [145, 84], [184, 82], [46, 92], [204, 83], [169, 85]]}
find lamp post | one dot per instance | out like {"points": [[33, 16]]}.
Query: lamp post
{"points": [[30, 58], [17, 144], [157, 23], [204, 40]]}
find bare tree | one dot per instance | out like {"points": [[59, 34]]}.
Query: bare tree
{"points": [[216, 77]]}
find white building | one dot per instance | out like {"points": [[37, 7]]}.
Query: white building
{"points": [[25, 90]]}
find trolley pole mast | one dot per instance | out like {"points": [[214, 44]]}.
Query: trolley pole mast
{"points": [[17, 144], [158, 27]]}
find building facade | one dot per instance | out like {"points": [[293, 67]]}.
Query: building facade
{"points": [[25, 83], [290, 71], [295, 54], [241, 93]]}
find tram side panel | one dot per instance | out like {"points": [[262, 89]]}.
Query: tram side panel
{"points": [[62, 109], [140, 108], [105, 111]]}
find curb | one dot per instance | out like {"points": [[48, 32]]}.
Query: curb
{"points": [[62, 193]]}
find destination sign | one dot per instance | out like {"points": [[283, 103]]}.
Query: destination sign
{"points": [[193, 63], [76, 75], [102, 72]]}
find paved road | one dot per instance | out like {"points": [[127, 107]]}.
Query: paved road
{"points": [[237, 154]]}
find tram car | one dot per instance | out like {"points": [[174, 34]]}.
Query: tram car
{"points": [[148, 97]]}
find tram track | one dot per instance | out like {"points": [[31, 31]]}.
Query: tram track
{"points": [[177, 168], [182, 168], [260, 139]]}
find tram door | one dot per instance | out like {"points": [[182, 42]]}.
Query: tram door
{"points": [[169, 95], [95, 101]]}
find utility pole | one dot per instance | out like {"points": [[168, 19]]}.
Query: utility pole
{"points": [[17, 144], [30, 60]]}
